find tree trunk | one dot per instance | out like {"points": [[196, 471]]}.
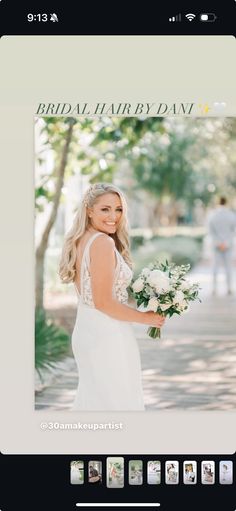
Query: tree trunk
{"points": [[39, 279], [42, 247]]}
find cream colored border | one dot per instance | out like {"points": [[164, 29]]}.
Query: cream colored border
{"points": [[89, 69]]}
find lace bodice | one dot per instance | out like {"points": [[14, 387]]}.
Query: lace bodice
{"points": [[123, 276]]}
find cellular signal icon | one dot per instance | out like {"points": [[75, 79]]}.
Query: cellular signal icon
{"points": [[177, 17]]}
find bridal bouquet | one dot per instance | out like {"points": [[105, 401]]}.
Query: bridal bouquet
{"points": [[163, 288]]}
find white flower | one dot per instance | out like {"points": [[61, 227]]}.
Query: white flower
{"points": [[138, 285], [146, 272], [153, 304], [182, 306], [185, 285], [165, 306], [180, 301], [149, 291], [159, 280], [179, 297]]}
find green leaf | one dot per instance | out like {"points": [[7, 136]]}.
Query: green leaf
{"points": [[51, 342]]}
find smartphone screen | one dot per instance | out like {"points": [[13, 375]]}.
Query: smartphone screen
{"points": [[118, 256]]}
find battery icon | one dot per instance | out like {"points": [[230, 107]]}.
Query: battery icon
{"points": [[209, 16]]}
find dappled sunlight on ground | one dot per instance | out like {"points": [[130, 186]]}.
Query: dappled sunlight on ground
{"points": [[190, 375]]}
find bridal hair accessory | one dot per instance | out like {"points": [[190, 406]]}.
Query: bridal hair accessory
{"points": [[84, 201], [88, 195]]}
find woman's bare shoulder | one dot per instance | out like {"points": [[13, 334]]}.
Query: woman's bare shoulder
{"points": [[103, 241]]}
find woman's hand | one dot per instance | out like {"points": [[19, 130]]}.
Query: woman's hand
{"points": [[154, 319]]}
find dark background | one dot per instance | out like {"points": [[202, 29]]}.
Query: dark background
{"points": [[85, 18], [43, 482]]}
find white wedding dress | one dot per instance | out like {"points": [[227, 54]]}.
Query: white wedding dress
{"points": [[105, 349]]}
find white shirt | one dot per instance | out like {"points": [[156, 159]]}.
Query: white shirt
{"points": [[222, 224]]}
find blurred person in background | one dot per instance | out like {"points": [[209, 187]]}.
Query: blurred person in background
{"points": [[222, 225]]}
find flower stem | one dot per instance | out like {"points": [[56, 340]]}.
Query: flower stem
{"points": [[154, 332]]}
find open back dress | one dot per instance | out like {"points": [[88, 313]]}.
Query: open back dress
{"points": [[105, 349]]}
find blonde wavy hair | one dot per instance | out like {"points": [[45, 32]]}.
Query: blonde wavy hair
{"points": [[67, 267]]}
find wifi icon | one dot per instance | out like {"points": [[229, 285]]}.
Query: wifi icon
{"points": [[190, 17]]}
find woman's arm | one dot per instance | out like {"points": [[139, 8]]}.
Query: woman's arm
{"points": [[102, 270]]}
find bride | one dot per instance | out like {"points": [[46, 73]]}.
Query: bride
{"points": [[96, 258]]}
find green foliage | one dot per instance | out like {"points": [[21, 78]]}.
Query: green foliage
{"points": [[51, 342], [136, 241], [129, 130], [165, 168], [175, 158], [187, 159]]}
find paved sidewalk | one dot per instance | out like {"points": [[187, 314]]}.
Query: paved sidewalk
{"points": [[191, 368]]}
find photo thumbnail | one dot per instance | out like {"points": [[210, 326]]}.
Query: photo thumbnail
{"points": [[190, 472], [77, 472], [115, 472], [208, 472], [154, 472], [172, 472], [226, 472], [95, 472], [135, 472]]}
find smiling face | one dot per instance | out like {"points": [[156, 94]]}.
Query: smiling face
{"points": [[106, 213]]}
